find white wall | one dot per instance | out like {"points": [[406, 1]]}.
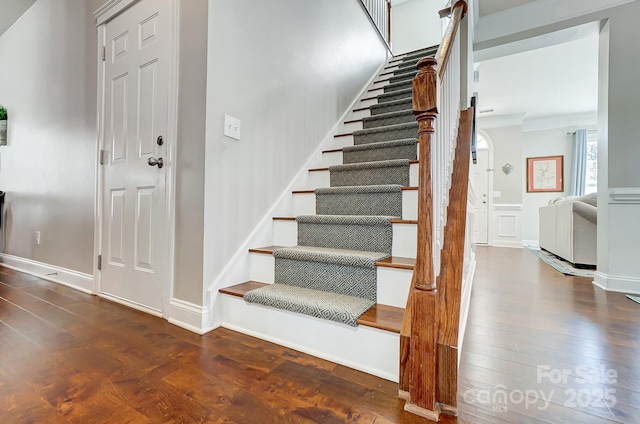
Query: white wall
{"points": [[288, 69], [507, 144], [48, 84], [544, 143], [189, 237], [415, 24]]}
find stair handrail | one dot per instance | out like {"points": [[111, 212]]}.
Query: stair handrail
{"points": [[458, 11], [379, 12], [419, 333]]}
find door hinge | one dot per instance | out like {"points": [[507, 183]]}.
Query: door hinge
{"points": [[104, 53], [99, 262], [101, 157]]}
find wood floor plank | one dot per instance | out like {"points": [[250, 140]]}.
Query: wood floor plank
{"points": [[68, 357]]}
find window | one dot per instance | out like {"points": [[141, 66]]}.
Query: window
{"points": [[591, 178], [481, 143]]}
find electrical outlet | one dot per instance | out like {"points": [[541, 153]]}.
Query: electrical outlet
{"points": [[232, 127], [38, 238]]}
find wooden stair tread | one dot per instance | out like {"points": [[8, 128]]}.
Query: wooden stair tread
{"points": [[393, 221], [239, 290], [391, 262], [326, 168], [266, 250], [383, 317], [353, 121], [341, 149], [398, 262], [360, 109], [311, 191], [332, 150]]}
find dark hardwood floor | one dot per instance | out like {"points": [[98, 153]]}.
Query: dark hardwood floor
{"points": [[66, 357]]}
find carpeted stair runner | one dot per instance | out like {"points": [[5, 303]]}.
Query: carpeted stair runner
{"points": [[383, 200], [331, 273], [386, 133], [370, 173], [375, 152], [395, 95], [350, 232], [400, 85], [390, 118], [346, 272], [394, 106], [404, 77], [316, 303]]}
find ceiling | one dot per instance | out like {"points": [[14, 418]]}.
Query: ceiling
{"points": [[11, 11], [488, 7], [541, 84], [544, 82]]}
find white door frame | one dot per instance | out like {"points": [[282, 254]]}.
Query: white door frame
{"points": [[104, 14], [490, 172]]}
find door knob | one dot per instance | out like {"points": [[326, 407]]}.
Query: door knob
{"points": [[155, 162]]}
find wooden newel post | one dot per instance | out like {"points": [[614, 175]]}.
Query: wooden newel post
{"points": [[418, 369], [426, 110]]}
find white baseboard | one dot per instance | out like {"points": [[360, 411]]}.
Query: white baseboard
{"points": [[66, 277], [502, 243], [189, 316], [130, 304], [615, 283], [532, 243]]}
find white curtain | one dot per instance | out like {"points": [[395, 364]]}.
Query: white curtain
{"points": [[579, 163]]}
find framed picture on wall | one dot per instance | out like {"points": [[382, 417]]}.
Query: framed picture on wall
{"points": [[545, 174]]}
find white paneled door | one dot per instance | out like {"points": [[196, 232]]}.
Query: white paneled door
{"points": [[481, 185], [133, 241]]}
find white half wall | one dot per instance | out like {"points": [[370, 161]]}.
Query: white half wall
{"points": [[622, 273], [288, 70], [506, 225], [415, 24]]}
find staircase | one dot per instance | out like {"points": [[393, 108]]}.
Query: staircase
{"points": [[336, 278]]}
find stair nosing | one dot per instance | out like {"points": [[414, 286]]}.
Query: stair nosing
{"points": [[411, 162], [393, 220], [233, 291], [311, 190]]}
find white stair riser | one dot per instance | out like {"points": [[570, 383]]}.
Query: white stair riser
{"points": [[319, 179], [367, 103], [359, 114], [363, 348], [285, 233], [380, 84], [375, 91], [350, 127], [393, 286], [331, 158], [340, 142], [261, 267], [393, 283], [305, 204]]}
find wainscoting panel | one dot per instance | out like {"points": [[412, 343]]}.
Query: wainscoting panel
{"points": [[506, 230], [623, 271]]}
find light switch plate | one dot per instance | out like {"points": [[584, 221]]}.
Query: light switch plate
{"points": [[232, 127]]}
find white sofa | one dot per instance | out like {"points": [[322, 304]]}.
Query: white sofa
{"points": [[568, 228]]}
